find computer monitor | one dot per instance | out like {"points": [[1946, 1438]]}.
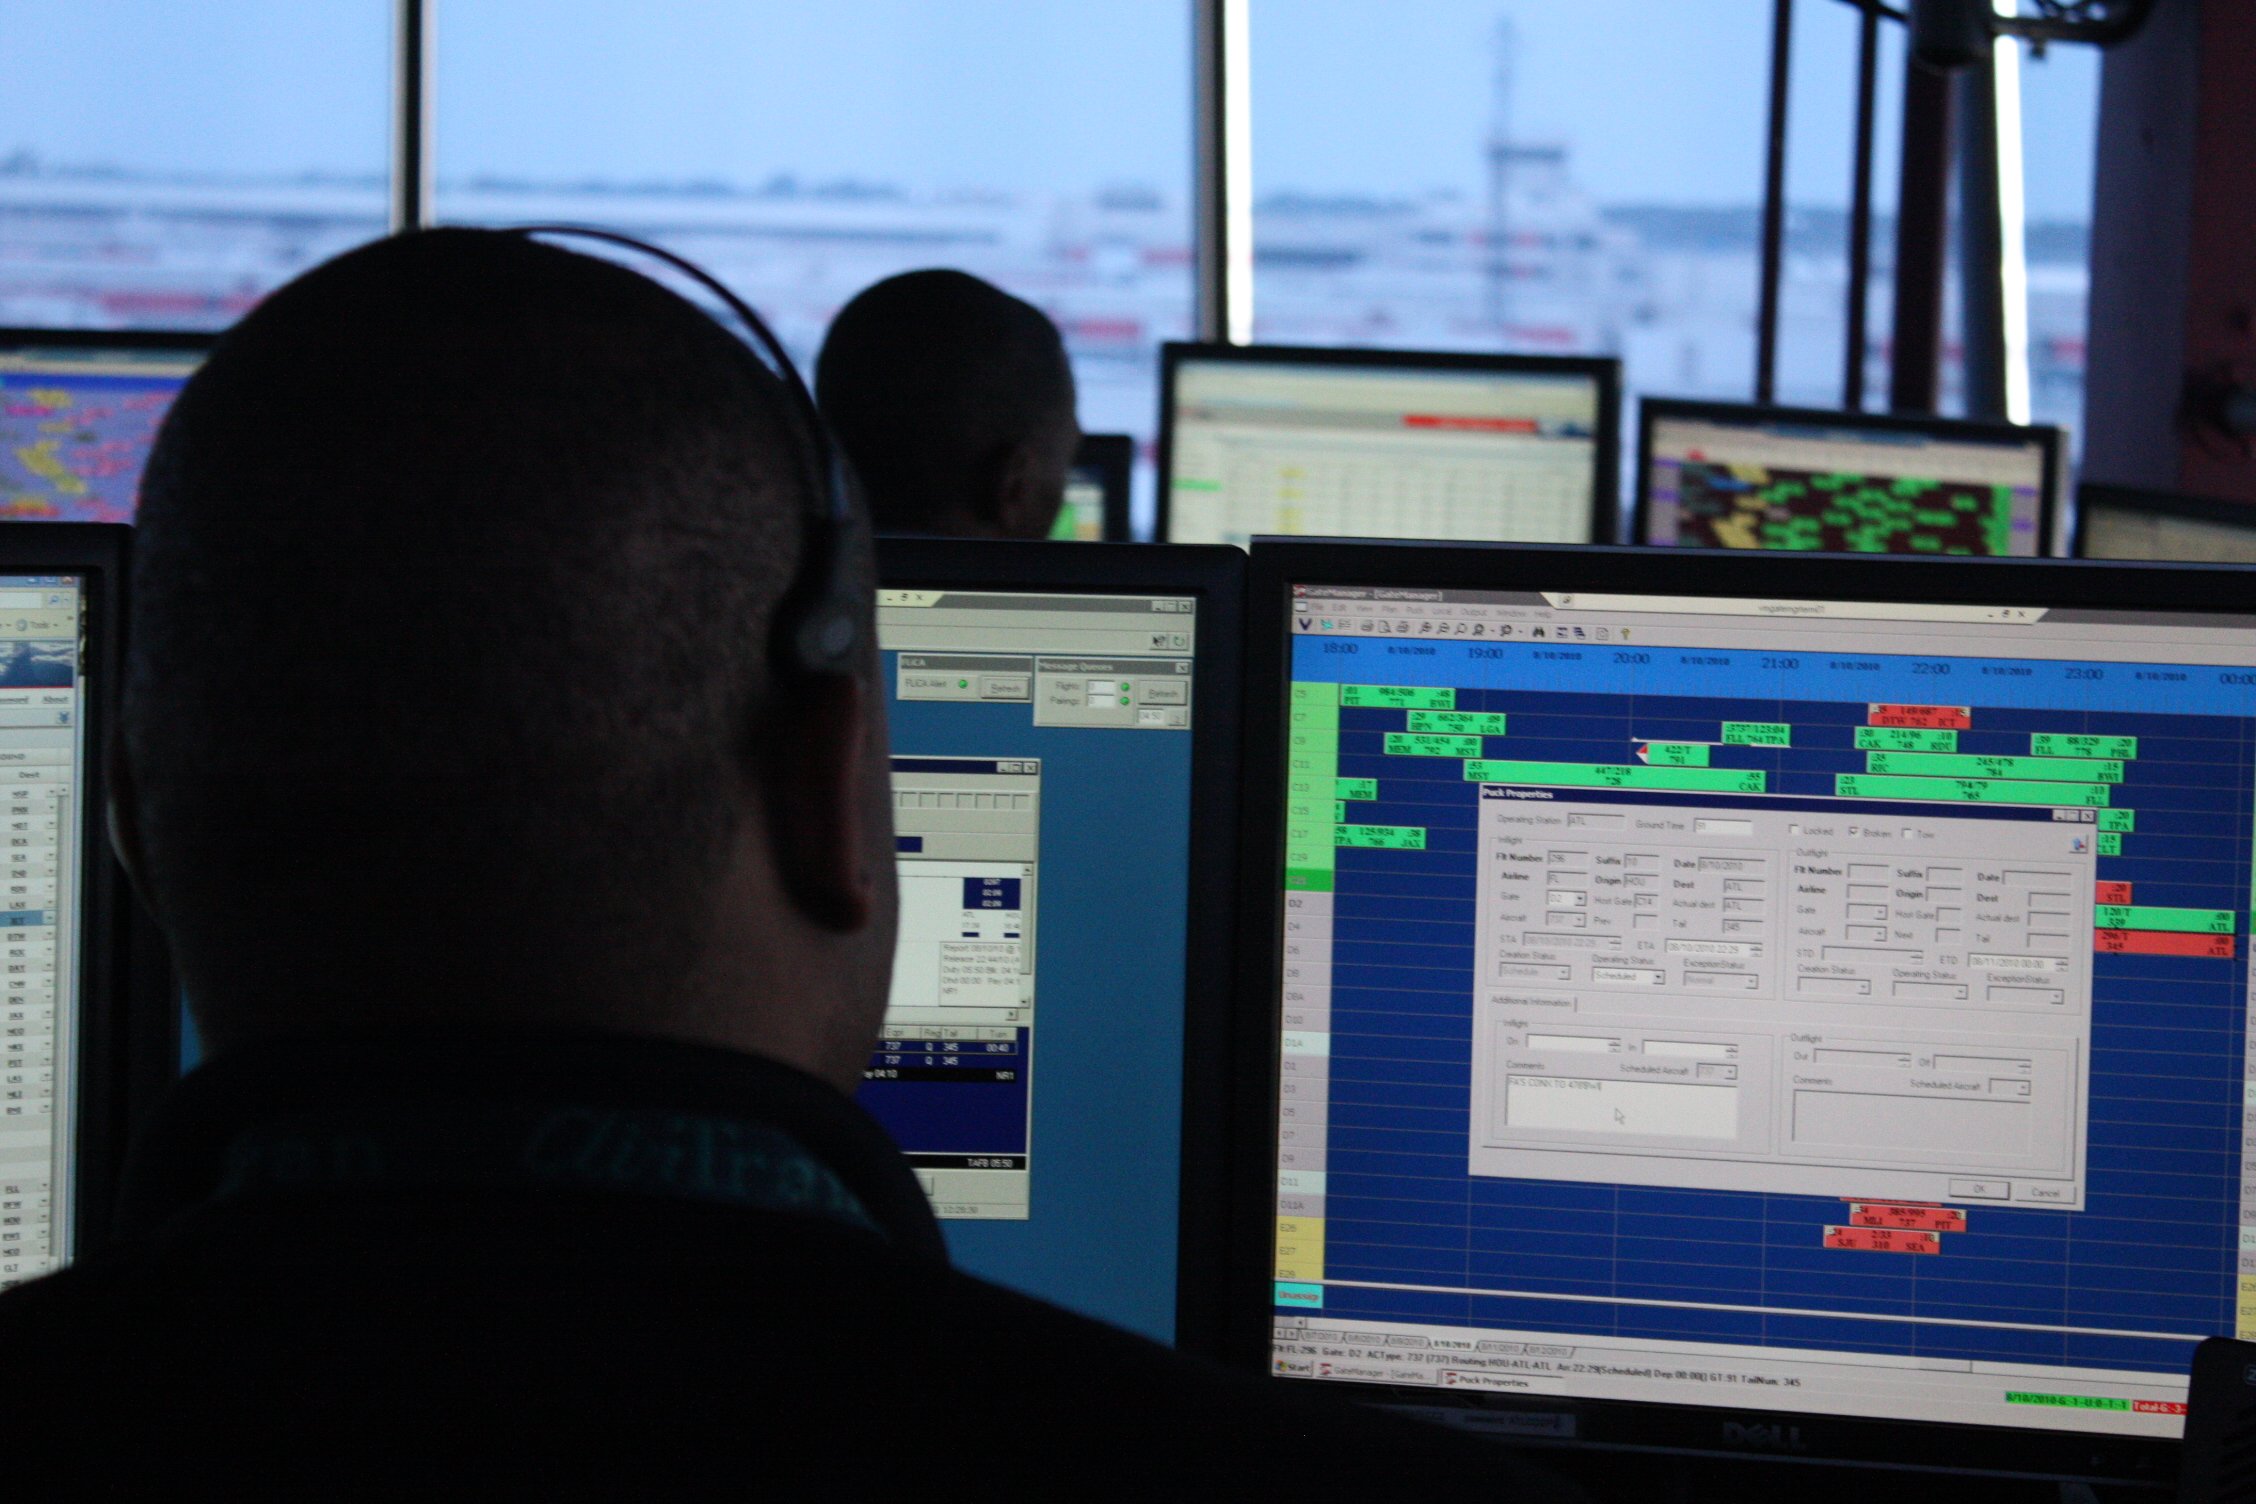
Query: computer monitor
{"points": [[2124, 522], [1797, 1003], [78, 411], [72, 1035], [1096, 491], [1730, 475], [1280, 439], [1064, 724]]}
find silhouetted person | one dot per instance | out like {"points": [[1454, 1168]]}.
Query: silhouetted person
{"points": [[955, 402], [539, 920]]}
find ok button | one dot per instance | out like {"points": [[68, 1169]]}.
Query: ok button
{"points": [[1981, 1190]]}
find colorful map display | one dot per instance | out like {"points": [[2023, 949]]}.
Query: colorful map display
{"points": [[73, 442], [1762, 506]]}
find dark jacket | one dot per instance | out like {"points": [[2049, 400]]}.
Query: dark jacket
{"points": [[607, 1267]]}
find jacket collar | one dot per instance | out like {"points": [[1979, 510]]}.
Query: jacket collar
{"points": [[543, 1109]]}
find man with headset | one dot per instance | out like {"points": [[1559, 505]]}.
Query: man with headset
{"points": [[955, 402], [503, 757]]}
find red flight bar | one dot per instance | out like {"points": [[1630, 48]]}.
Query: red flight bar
{"points": [[1470, 425]]}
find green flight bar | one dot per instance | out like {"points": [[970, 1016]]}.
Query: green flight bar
{"points": [[2063, 744], [1406, 744], [1970, 790], [2110, 843], [2127, 916], [1676, 754], [2118, 819], [1584, 775], [1904, 739], [1962, 765], [1383, 837], [1757, 734], [1459, 722], [1397, 697], [1355, 788]]}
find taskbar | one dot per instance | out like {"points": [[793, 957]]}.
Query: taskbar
{"points": [[1854, 1385]]}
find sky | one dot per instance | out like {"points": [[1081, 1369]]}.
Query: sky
{"points": [[1660, 101]]}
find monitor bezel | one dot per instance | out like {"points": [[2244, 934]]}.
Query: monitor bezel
{"points": [[2177, 505], [128, 1046], [1278, 564], [1215, 573], [1606, 370], [191, 341], [1113, 457], [2049, 437]]}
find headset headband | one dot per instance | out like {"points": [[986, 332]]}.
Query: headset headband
{"points": [[817, 624]]}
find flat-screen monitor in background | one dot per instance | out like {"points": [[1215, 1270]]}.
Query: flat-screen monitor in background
{"points": [[2121, 522], [1793, 997], [78, 411], [1096, 491], [67, 1046], [1275, 439], [1729, 475], [1064, 724]]}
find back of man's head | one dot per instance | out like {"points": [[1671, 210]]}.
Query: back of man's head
{"points": [[453, 582], [955, 401]]}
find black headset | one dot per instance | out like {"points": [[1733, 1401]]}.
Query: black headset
{"points": [[817, 629]]}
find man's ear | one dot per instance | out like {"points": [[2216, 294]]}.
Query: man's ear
{"points": [[1027, 493], [819, 801]]}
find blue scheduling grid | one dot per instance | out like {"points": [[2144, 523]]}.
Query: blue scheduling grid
{"points": [[1394, 746]]}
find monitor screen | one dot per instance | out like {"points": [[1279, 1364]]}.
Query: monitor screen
{"points": [[1096, 490], [44, 787], [1720, 475], [2116, 522], [1047, 762], [1082, 518], [77, 416], [1273, 440], [1803, 997]]}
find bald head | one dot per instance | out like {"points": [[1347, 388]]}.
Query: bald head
{"points": [[454, 574], [955, 401]]}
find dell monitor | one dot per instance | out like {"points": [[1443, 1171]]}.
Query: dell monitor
{"points": [[78, 412], [67, 960], [1729, 475], [1797, 997], [1064, 738], [1385, 444], [2123, 522], [1096, 490]]}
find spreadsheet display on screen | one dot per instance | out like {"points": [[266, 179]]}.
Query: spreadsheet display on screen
{"points": [[1081, 517], [1031, 1061], [1381, 452], [76, 426], [2117, 532], [1802, 1006], [42, 771], [1795, 484]]}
